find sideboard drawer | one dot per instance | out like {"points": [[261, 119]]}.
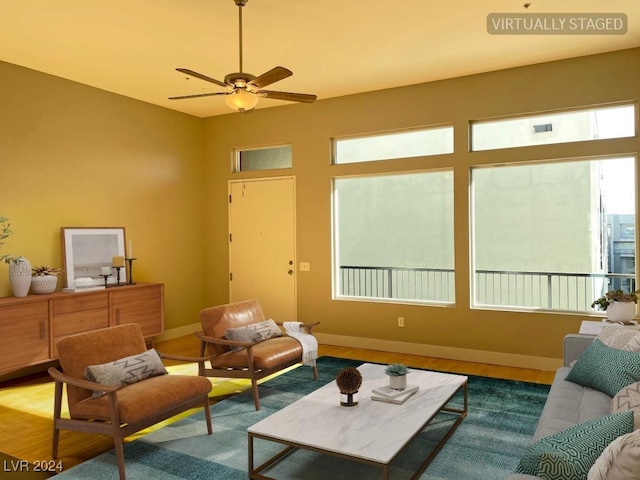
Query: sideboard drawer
{"points": [[77, 322], [79, 303]]}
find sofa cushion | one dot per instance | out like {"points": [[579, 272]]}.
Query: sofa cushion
{"points": [[619, 461], [628, 399], [620, 337], [569, 454], [569, 404], [127, 370], [606, 369], [256, 332]]}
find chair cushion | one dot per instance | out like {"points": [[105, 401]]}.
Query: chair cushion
{"points": [[216, 320], [266, 355], [126, 371], [104, 345], [144, 399], [256, 332]]}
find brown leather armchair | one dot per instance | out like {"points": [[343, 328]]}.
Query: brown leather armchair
{"points": [[123, 410], [234, 359]]}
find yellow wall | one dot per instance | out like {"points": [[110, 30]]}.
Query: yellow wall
{"points": [[76, 156], [72, 155], [501, 337]]}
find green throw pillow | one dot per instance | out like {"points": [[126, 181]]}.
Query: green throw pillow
{"points": [[606, 369], [569, 454]]}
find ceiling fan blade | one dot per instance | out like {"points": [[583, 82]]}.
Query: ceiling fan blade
{"points": [[274, 75], [201, 76], [291, 97], [182, 97]]}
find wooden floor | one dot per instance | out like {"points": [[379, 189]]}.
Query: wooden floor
{"points": [[26, 403]]}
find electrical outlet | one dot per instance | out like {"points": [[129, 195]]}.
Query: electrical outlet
{"points": [[305, 266], [401, 321]]}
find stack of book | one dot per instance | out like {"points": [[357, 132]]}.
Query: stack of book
{"points": [[391, 395]]}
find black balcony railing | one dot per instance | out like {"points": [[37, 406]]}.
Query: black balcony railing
{"points": [[547, 290]]}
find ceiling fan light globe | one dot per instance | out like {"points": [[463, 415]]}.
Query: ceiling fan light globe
{"points": [[241, 101]]}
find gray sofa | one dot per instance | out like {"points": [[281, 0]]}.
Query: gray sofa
{"points": [[568, 404]]}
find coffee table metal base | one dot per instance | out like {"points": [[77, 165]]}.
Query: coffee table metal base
{"points": [[255, 472]]}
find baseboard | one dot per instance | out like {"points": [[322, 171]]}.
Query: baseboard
{"points": [[178, 332], [438, 351]]}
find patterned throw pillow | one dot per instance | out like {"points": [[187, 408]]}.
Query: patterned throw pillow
{"points": [[126, 371], [606, 369], [620, 337], [628, 399], [256, 332], [569, 454], [619, 461]]}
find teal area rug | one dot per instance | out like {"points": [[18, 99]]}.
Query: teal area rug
{"points": [[486, 446]]}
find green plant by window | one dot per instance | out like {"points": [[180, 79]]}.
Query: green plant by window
{"points": [[615, 296]]}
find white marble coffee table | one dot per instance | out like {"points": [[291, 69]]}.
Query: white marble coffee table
{"points": [[317, 422]]}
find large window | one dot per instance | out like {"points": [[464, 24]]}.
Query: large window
{"points": [[393, 237], [553, 235]]}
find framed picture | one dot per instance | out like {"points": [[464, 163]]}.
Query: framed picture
{"points": [[90, 252]]}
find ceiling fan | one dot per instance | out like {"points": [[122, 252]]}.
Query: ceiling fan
{"points": [[243, 90]]}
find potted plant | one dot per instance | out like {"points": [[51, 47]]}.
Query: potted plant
{"points": [[619, 305], [44, 279], [397, 375]]}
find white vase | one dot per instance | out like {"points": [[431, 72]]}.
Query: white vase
{"points": [[43, 284], [398, 382], [621, 311], [20, 277]]}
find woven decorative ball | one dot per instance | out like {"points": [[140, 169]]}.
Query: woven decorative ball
{"points": [[349, 380]]}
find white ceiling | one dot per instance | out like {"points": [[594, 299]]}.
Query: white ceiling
{"points": [[333, 47]]}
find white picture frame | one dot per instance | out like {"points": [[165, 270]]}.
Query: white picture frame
{"points": [[86, 250]]}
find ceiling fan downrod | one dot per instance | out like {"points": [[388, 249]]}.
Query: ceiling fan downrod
{"points": [[240, 4]]}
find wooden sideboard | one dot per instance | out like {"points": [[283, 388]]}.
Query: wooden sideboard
{"points": [[30, 326]]}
